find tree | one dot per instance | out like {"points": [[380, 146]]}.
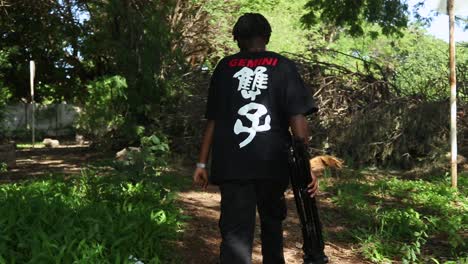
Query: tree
{"points": [[74, 42], [390, 15], [131, 39], [48, 32]]}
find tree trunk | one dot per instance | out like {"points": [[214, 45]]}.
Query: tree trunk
{"points": [[453, 95]]}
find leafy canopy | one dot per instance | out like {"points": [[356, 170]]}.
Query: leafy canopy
{"points": [[390, 15]]}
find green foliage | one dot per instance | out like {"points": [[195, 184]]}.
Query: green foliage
{"points": [[48, 32], [5, 96], [5, 93], [390, 15], [105, 106], [76, 44], [3, 167], [151, 155], [136, 37], [88, 219], [415, 64], [402, 219]]}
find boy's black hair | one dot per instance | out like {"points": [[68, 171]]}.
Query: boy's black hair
{"points": [[251, 25]]}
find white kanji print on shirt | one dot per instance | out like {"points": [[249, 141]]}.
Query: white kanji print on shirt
{"points": [[260, 110], [251, 82]]}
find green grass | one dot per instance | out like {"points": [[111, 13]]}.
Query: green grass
{"points": [[412, 221], [89, 219]]}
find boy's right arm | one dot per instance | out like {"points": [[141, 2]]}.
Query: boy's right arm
{"points": [[200, 176], [300, 130]]}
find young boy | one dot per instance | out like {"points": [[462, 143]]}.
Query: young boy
{"points": [[254, 97]]}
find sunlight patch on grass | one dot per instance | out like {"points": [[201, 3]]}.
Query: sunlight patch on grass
{"points": [[29, 145]]}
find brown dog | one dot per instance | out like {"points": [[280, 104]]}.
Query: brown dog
{"points": [[319, 163]]}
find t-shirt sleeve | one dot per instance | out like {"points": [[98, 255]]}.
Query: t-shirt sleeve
{"points": [[297, 97], [213, 94]]}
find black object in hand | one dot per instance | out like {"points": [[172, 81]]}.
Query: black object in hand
{"points": [[313, 246]]}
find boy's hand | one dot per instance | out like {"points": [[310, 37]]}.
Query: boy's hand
{"points": [[200, 177], [312, 188]]}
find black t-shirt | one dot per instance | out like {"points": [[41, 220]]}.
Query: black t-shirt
{"points": [[251, 97]]}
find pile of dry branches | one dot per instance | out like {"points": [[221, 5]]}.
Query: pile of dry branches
{"points": [[363, 119]]}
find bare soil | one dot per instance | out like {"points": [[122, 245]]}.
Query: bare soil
{"points": [[201, 240], [36, 162]]}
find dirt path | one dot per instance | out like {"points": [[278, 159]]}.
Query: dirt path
{"points": [[66, 159], [201, 237]]}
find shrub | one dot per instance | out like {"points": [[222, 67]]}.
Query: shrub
{"points": [[105, 106], [5, 95], [87, 219], [152, 155]]}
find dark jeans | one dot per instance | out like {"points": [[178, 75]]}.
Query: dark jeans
{"points": [[239, 200]]}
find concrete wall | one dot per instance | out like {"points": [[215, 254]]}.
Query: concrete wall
{"points": [[51, 120]]}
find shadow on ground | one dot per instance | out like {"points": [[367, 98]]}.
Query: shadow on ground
{"points": [[66, 159]]}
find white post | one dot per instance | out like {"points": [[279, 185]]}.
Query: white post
{"points": [[453, 95], [32, 71]]}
